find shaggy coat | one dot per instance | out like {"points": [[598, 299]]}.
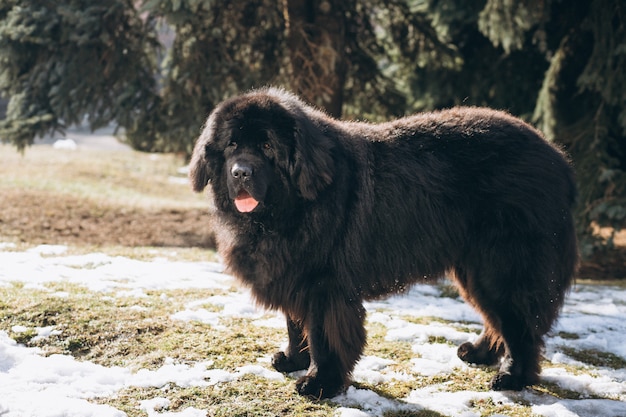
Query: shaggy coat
{"points": [[317, 215]]}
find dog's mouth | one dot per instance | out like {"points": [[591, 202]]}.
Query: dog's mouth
{"points": [[244, 202]]}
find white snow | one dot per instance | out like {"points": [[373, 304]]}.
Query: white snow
{"points": [[156, 406], [66, 144], [452, 403], [35, 385]]}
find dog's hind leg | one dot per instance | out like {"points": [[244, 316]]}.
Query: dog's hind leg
{"points": [[511, 307], [489, 347], [525, 302], [509, 336], [520, 365]]}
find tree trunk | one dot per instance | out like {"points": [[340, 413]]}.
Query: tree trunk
{"points": [[316, 41]]}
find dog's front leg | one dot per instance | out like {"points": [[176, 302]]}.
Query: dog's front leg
{"points": [[296, 357], [336, 336]]}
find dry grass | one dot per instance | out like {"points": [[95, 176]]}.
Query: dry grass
{"points": [[99, 198], [118, 178]]}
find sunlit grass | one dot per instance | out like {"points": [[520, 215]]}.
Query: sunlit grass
{"points": [[129, 179]]}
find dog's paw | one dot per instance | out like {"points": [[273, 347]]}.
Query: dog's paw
{"points": [[318, 388], [284, 363], [507, 382], [469, 353]]}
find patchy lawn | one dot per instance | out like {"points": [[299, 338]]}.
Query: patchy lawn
{"points": [[149, 334]]}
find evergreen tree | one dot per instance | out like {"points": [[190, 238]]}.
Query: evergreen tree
{"points": [[582, 104], [59, 67], [64, 62], [564, 69]]}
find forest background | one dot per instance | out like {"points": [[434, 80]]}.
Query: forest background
{"points": [[155, 68]]}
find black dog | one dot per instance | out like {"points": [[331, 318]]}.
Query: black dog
{"points": [[317, 215]]}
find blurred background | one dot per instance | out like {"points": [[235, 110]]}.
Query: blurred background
{"points": [[149, 72]]}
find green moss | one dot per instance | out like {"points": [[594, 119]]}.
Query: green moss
{"points": [[596, 357]]}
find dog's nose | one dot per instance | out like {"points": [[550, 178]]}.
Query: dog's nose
{"points": [[241, 171]]}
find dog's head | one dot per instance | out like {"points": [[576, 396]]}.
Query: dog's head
{"points": [[262, 148]]}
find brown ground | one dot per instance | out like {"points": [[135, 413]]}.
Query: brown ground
{"points": [[610, 265], [99, 197], [46, 218]]}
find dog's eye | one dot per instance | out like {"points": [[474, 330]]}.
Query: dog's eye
{"points": [[267, 146], [232, 144]]}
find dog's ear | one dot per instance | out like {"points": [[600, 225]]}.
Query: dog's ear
{"points": [[198, 175], [199, 166], [313, 166]]}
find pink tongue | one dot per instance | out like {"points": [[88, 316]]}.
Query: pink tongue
{"points": [[245, 203]]}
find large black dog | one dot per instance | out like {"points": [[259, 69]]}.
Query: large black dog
{"points": [[317, 215]]}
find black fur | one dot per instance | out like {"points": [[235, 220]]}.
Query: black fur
{"points": [[353, 211]]}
